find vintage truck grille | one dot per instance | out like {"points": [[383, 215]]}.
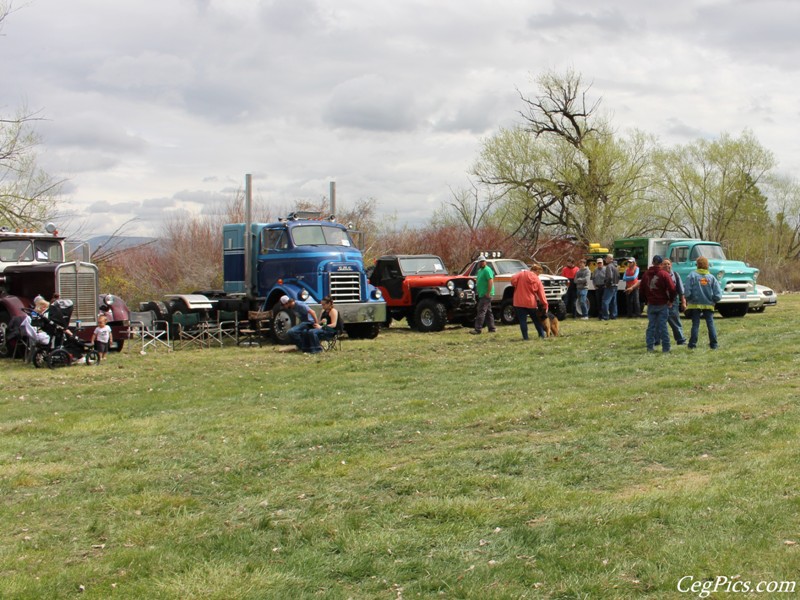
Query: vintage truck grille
{"points": [[78, 283], [346, 287]]}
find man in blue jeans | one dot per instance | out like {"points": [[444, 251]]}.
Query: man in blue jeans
{"points": [[306, 319], [702, 293], [658, 290], [609, 308]]}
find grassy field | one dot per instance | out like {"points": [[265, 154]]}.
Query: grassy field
{"points": [[411, 466]]}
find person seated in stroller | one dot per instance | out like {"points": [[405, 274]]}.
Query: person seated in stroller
{"points": [[28, 325], [62, 347]]}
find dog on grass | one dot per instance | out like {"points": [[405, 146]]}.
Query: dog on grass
{"points": [[549, 322]]}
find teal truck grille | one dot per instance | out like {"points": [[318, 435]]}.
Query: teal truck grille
{"points": [[346, 287]]}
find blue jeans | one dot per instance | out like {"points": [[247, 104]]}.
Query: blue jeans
{"points": [[314, 336], [297, 335], [609, 308], [657, 315], [522, 317], [708, 315], [583, 302], [674, 322]]}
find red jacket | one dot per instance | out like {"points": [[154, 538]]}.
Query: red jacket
{"points": [[528, 290], [657, 287]]}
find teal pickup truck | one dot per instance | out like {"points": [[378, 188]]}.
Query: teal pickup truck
{"points": [[737, 279]]}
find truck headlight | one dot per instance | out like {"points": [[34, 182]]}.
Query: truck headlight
{"points": [[450, 285], [303, 295], [108, 299], [376, 294], [720, 275], [471, 284]]}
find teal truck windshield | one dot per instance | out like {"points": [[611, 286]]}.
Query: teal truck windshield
{"points": [[710, 251], [320, 235]]}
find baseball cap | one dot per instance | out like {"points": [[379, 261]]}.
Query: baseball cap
{"points": [[481, 258], [657, 260], [285, 300]]}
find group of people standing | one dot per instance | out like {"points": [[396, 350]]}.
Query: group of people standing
{"points": [[659, 287]]}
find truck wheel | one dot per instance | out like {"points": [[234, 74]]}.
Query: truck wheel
{"points": [[283, 320], [560, 310], [508, 314], [159, 308], [736, 310], [3, 339], [431, 315]]}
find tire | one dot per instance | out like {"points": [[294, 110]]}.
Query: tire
{"points": [[431, 315], [3, 339], [283, 320], [508, 314], [733, 311], [560, 310], [39, 359], [92, 357], [59, 358]]}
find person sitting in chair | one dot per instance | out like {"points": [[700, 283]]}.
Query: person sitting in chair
{"points": [[325, 329]]}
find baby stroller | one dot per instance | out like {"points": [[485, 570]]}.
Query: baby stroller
{"points": [[65, 347]]}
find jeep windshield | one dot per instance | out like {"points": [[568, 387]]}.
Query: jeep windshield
{"points": [[710, 251], [320, 235], [422, 265]]}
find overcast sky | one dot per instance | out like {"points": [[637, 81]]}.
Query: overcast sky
{"points": [[161, 106]]}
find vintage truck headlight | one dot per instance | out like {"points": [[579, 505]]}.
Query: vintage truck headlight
{"points": [[303, 295], [471, 284], [108, 299], [720, 275], [450, 285], [376, 294]]}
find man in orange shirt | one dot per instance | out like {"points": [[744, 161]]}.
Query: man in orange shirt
{"points": [[528, 296]]}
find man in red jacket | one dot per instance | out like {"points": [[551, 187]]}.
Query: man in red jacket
{"points": [[658, 290], [528, 295]]}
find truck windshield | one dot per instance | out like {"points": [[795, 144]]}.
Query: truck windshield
{"points": [[509, 267], [16, 251], [710, 251], [422, 264], [320, 235], [48, 251]]}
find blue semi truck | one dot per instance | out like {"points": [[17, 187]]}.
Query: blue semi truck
{"points": [[304, 256]]}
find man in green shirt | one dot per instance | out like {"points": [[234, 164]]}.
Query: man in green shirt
{"points": [[485, 289]]}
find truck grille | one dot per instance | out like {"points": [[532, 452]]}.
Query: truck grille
{"points": [[78, 282], [346, 287]]}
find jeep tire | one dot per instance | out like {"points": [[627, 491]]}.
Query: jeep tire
{"points": [[430, 315]]}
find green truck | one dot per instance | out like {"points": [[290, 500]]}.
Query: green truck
{"points": [[737, 279]]}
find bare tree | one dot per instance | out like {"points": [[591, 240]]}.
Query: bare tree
{"points": [[27, 193]]}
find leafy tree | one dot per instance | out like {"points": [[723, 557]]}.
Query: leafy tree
{"points": [[710, 188], [564, 170]]}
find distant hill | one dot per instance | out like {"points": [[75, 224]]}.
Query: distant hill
{"points": [[117, 242]]}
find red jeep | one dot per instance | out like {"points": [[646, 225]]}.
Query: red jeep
{"points": [[418, 289]]}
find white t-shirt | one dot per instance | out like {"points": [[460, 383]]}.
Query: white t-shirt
{"points": [[102, 334]]}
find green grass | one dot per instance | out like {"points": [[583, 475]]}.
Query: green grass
{"points": [[411, 466]]}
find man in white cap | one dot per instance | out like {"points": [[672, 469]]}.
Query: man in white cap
{"points": [[484, 286]]}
